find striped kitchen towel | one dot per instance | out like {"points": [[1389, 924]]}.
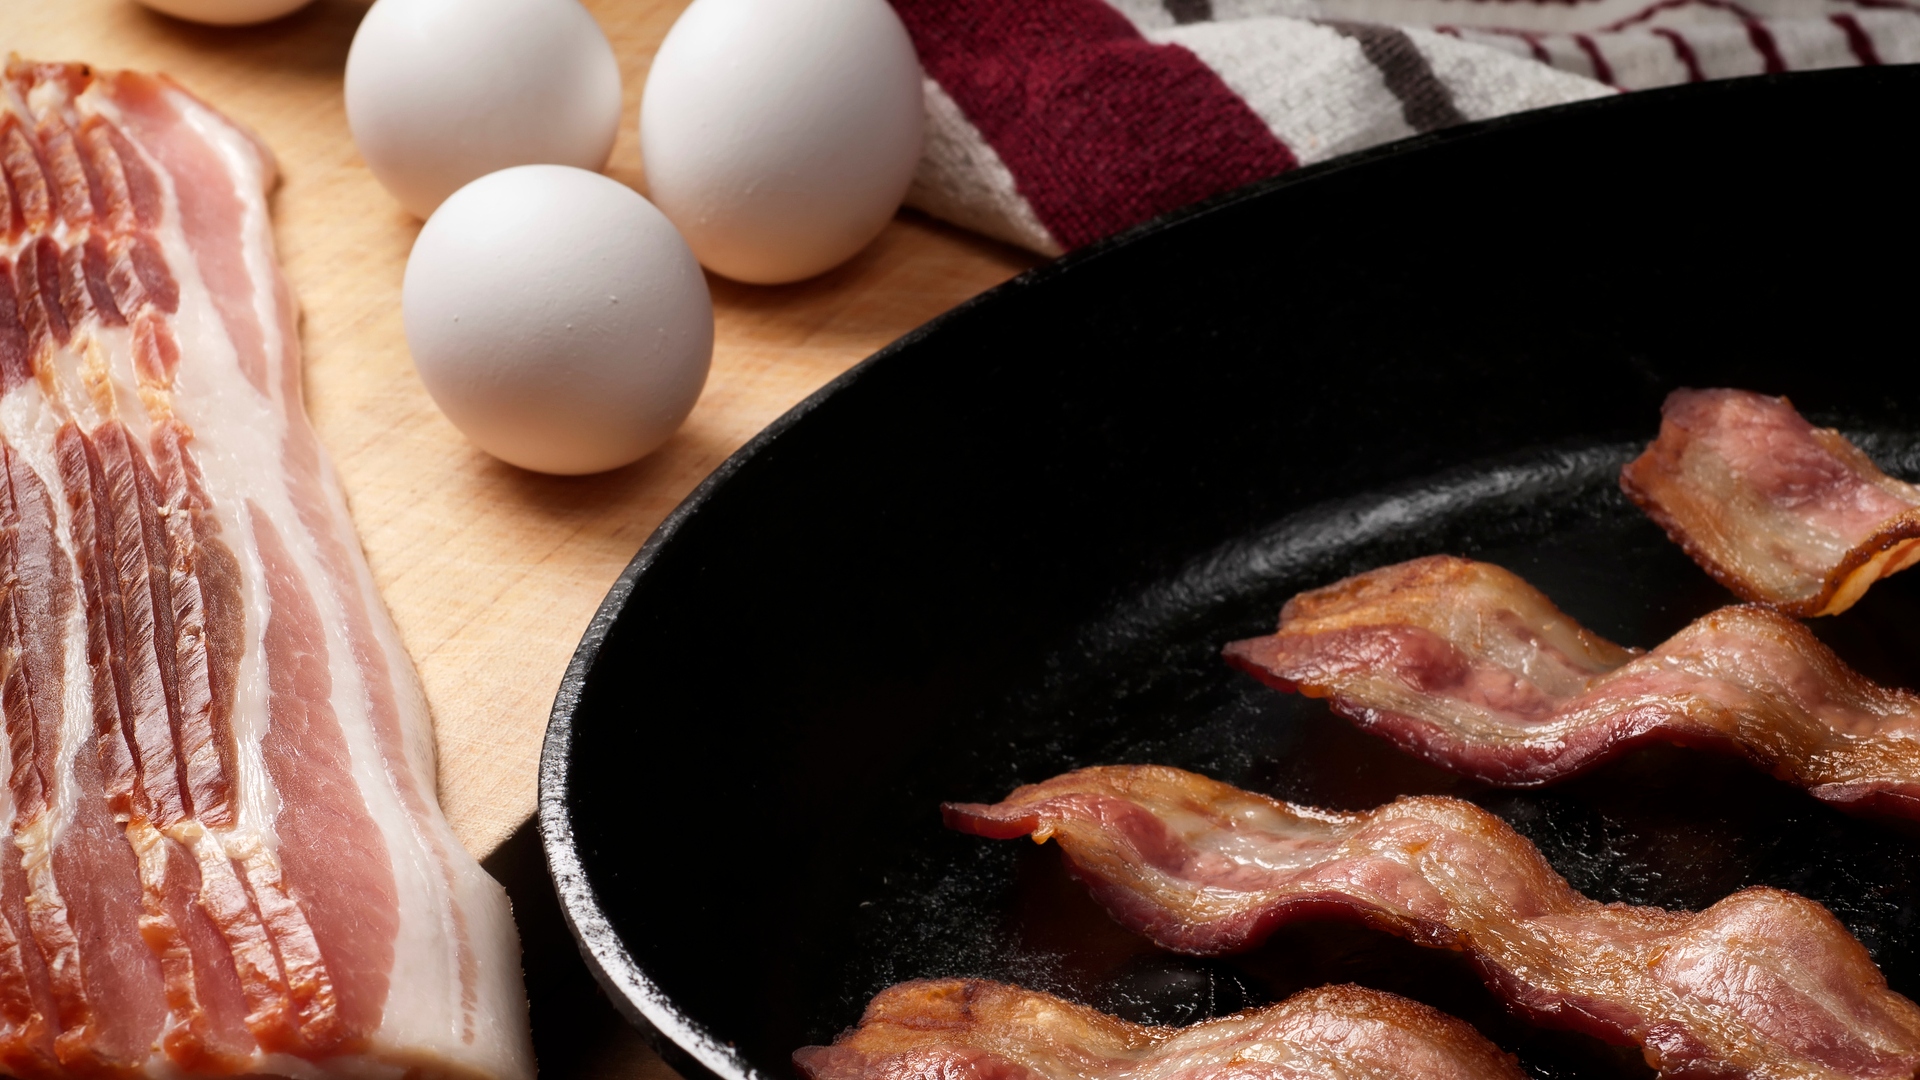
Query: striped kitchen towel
{"points": [[1053, 123]]}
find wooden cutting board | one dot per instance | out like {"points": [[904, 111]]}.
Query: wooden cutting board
{"points": [[491, 572]]}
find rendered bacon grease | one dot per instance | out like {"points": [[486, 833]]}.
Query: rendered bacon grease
{"points": [[1466, 665], [781, 135], [1779, 511], [557, 319], [224, 854], [1763, 984], [442, 92], [971, 1029]]}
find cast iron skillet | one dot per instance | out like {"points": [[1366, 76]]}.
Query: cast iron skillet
{"points": [[1013, 543]]}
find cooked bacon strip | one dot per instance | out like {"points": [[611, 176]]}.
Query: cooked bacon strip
{"points": [[1761, 984], [1779, 511], [1468, 666], [971, 1029], [225, 854]]}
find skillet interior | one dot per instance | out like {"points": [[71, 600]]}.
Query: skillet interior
{"points": [[1014, 542]]}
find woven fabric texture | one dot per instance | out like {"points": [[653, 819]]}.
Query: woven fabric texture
{"points": [[1054, 123]]}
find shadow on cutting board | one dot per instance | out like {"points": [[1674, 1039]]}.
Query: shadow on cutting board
{"points": [[576, 1032]]}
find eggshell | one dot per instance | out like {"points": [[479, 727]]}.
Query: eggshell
{"points": [[780, 135], [442, 92], [226, 12], [557, 319]]}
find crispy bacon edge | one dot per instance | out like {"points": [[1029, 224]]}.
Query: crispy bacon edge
{"points": [[1802, 473], [1762, 984], [973, 1029], [1410, 652]]}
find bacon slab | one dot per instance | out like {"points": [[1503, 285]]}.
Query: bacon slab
{"points": [[225, 855], [1779, 511], [970, 1029], [1761, 984], [1468, 666]]}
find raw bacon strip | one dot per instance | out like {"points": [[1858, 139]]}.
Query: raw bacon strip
{"points": [[16, 358], [1779, 511], [9, 217], [225, 856], [127, 192], [37, 276], [1468, 666], [90, 980], [32, 197], [97, 270], [72, 184], [204, 584], [971, 1029], [1761, 984], [32, 631], [26, 1038]]}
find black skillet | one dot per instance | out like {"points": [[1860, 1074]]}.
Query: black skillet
{"points": [[1013, 543]]}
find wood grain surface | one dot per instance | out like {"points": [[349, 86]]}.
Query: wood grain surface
{"points": [[491, 573]]}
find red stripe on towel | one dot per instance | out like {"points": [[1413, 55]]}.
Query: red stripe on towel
{"points": [[1601, 69], [1763, 44], [1757, 33], [1538, 50], [1684, 50], [1736, 10], [1857, 40], [1101, 128]]}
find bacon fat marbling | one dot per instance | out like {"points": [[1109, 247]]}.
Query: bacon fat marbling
{"points": [[225, 856], [1779, 511], [1762, 984], [1470, 667], [971, 1029]]}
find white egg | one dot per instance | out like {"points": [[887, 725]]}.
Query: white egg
{"points": [[441, 92], [780, 135], [557, 319], [226, 12]]}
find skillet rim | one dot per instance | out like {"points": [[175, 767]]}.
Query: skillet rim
{"points": [[643, 1003]]}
